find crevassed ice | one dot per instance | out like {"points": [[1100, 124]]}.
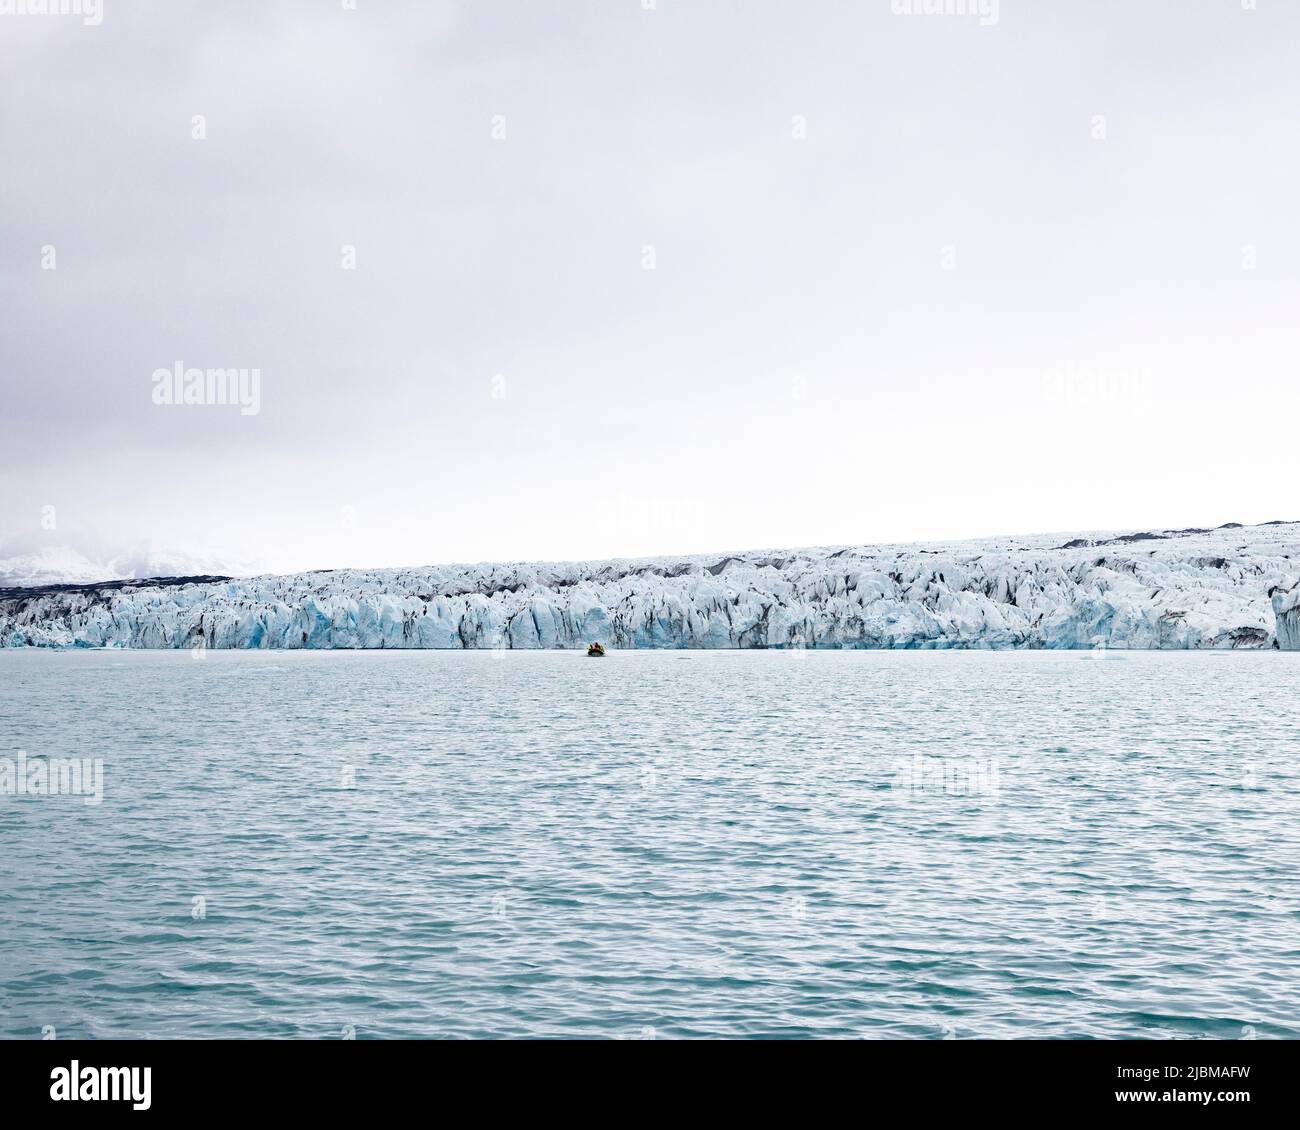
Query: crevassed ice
{"points": [[1226, 588]]}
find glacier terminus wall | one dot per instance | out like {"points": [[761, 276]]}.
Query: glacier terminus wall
{"points": [[1233, 587]]}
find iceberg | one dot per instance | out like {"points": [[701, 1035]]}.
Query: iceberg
{"points": [[1232, 587]]}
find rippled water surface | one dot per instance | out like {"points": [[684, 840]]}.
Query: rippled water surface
{"points": [[657, 843]]}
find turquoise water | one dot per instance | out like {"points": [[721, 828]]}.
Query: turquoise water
{"points": [[657, 844]]}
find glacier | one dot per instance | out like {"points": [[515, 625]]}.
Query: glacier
{"points": [[1231, 587]]}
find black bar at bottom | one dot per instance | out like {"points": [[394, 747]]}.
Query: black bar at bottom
{"points": [[365, 1078]]}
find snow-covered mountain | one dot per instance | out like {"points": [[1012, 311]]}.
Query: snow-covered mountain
{"points": [[65, 564], [1230, 587], [51, 564]]}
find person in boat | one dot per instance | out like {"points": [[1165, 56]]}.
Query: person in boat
{"points": [[595, 649]]}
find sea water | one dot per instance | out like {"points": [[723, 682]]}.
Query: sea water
{"points": [[653, 844]]}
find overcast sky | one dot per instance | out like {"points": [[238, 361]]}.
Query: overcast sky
{"points": [[716, 275]]}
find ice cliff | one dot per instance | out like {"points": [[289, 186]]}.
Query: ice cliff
{"points": [[1230, 587], [1286, 607]]}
